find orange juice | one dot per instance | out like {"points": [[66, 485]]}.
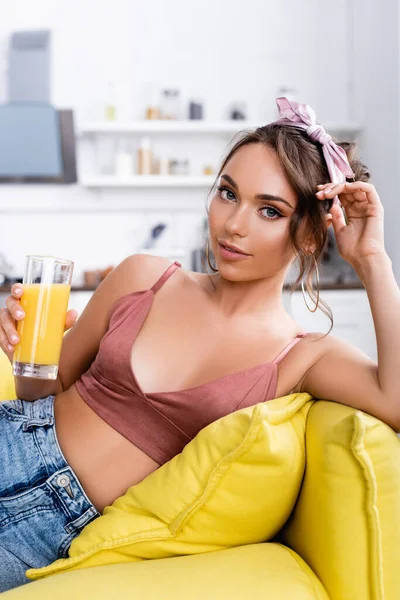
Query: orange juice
{"points": [[41, 331]]}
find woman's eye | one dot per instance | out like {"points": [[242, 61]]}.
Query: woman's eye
{"points": [[227, 194], [275, 213], [223, 190]]}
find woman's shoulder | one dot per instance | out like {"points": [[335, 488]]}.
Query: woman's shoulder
{"points": [[317, 343], [140, 272], [308, 352]]}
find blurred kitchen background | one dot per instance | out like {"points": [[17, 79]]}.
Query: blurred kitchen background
{"points": [[114, 118]]}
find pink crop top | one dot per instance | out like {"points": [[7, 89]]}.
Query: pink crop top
{"points": [[161, 424]]}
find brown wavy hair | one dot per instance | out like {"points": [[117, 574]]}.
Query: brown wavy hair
{"points": [[305, 167]]}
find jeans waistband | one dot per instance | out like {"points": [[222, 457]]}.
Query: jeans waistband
{"points": [[62, 479]]}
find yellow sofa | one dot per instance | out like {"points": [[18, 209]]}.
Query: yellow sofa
{"points": [[340, 542]]}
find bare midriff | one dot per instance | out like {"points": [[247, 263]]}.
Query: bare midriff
{"points": [[106, 463]]}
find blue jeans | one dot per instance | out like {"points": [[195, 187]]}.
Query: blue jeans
{"points": [[43, 506]]}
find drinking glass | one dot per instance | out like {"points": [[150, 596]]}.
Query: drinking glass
{"points": [[46, 285]]}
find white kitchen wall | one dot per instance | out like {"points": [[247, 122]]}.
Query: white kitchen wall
{"points": [[376, 103], [223, 50]]}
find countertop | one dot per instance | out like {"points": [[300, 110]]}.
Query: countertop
{"points": [[354, 285]]}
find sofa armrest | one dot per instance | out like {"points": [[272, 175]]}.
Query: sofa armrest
{"points": [[346, 522]]}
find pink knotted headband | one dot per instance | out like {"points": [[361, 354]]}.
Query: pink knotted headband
{"points": [[303, 117]]}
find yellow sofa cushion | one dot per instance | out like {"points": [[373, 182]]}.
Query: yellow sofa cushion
{"points": [[7, 388], [256, 572], [235, 483], [346, 523]]}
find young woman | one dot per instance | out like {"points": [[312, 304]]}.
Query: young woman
{"points": [[160, 352]]}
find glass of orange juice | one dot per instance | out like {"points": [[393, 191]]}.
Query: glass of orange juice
{"points": [[46, 285]]}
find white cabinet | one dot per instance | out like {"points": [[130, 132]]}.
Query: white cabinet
{"points": [[352, 318]]}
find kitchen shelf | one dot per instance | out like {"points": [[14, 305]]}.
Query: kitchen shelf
{"points": [[101, 181], [94, 128], [191, 126]]}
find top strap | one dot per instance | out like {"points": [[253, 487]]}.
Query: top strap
{"points": [[165, 276], [282, 354]]}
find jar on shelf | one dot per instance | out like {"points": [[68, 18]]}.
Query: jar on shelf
{"points": [[170, 104], [179, 167], [208, 170], [237, 111]]}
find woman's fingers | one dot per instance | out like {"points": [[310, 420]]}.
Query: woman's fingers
{"points": [[359, 190], [358, 198], [16, 290], [8, 316], [13, 302], [15, 308], [338, 218], [8, 332]]}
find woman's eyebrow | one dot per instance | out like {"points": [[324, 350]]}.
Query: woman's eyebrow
{"points": [[233, 183]]}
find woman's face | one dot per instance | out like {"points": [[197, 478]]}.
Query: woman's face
{"points": [[244, 212]]}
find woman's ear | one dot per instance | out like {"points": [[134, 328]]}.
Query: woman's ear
{"points": [[328, 220]]}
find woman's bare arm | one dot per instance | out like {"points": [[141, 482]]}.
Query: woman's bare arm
{"points": [[345, 374]]}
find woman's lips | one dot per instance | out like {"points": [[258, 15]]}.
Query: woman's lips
{"points": [[230, 254]]}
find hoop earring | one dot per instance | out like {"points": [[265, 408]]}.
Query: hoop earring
{"points": [[302, 289], [208, 256]]}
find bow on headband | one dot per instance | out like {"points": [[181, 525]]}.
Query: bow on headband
{"points": [[303, 117]]}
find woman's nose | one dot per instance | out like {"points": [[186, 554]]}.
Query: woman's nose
{"points": [[238, 221]]}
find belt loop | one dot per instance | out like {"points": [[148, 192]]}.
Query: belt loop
{"points": [[37, 423]]}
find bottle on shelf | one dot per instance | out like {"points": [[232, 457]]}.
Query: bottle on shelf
{"points": [[153, 103], [110, 111], [164, 166], [123, 159], [145, 157], [155, 168], [196, 110]]}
